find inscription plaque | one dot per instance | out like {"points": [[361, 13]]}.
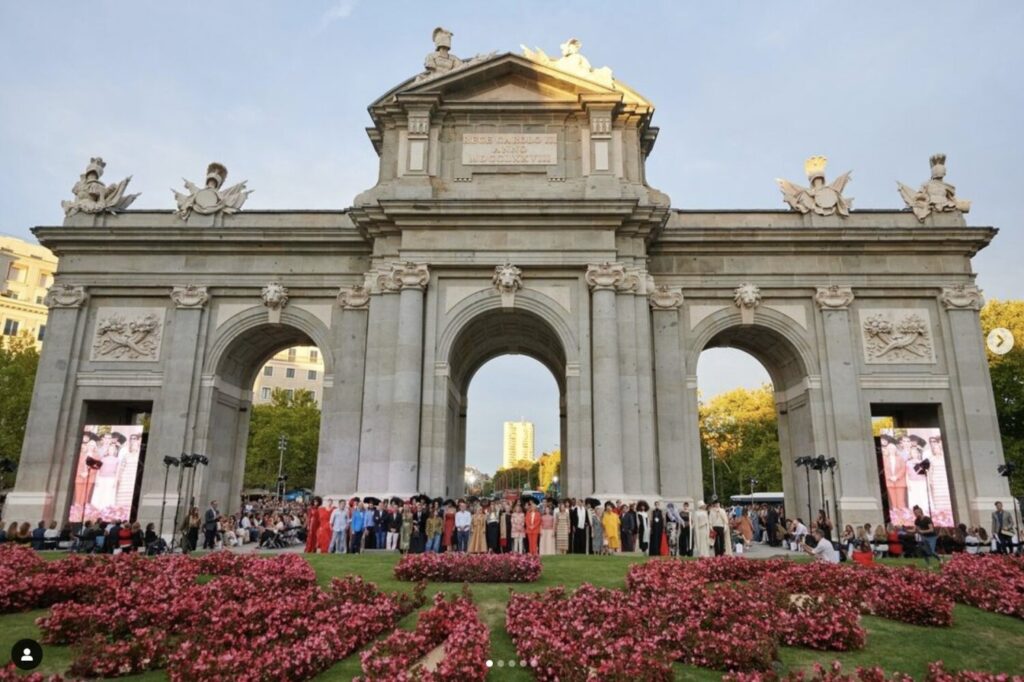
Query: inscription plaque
{"points": [[509, 149]]}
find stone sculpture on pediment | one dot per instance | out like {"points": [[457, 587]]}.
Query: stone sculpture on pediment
{"points": [[820, 198], [124, 334], [571, 62], [211, 199], [92, 196], [934, 196], [441, 60]]}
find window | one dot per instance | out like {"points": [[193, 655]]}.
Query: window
{"points": [[265, 393], [42, 332], [268, 371], [289, 373], [11, 327], [39, 300], [16, 274], [314, 355], [44, 280], [311, 375], [291, 355]]}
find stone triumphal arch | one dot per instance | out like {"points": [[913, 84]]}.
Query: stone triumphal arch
{"points": [[512, 214]]}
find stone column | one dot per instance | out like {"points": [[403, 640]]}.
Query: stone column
{"points": [[974, 385], [45, 467], [337, 463], [645, 388], [173, 417], [608, 467], [625, 309], [382, 327], [680, 478], [857, 473], [403, 471]]}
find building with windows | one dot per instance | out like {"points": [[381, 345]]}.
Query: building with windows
{"points": [[518, 444], [292, 369], [28, 273]]}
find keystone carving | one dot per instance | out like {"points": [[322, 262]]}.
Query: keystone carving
{"points": [[747, 298], [275, 297]]}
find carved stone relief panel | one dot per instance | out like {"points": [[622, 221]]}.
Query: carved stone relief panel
{"points": [[128, 334], [897, 336]]}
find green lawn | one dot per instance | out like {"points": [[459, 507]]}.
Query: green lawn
{"points": [[978, 640]]}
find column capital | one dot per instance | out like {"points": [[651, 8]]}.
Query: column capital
{"points": [[665, 297], [834, 297], [962, 297], [355, 297], [605, 276], [190, 296], [66, 296], [407, 275]]}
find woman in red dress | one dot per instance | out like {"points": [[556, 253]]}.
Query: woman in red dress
{"points": [[533, 528], [323, 533], [313, 525], [449, 527]]}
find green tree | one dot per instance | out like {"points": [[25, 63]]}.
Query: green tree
{"points": [[514, 478], [298, 418], [19, 361], [1007, 373], [739, 428]]}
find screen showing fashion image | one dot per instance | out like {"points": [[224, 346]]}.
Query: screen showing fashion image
{"points": [[913, 470], [105, 475]]}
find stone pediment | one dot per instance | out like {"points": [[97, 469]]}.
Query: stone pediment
{"points": [[509, 78]]}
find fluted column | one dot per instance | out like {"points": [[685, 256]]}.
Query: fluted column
{"points": [[645, 387], [608, 469], [629, 400], [411, 279], [678, 467]]}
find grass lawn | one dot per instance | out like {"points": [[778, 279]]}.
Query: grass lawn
{"points": [[977, 641]]}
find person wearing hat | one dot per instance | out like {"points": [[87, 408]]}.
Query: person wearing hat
{"points": [[894, 467]]}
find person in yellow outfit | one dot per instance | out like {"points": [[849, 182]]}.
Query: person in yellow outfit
{"points": [[610, 522]]}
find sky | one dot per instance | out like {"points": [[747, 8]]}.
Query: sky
{"points": [[744, 91]]}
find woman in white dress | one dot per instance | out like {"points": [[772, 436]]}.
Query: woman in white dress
{"points": [[917, 484], [701, 531], [104, 492]]}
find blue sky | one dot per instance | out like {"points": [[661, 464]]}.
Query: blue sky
{"points": [[745, 91]]}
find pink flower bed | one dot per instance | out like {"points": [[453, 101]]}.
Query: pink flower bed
{"points": [[454, 567], [453, 623], [713, 614], [834, 673], [993, 582], [127, 614]]}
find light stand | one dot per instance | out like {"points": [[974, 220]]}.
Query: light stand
{"points": [[196, 461], [753, 482], [168, 463], [819, 464], [921, 469], [282, 445], [806, 463], [1008, 470], [186, 463], [831, 463], [714, 479]]}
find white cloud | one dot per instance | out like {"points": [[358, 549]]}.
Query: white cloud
{"points": [[340, 10]]}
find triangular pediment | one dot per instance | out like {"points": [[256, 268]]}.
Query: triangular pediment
{"points": [[507, 78]]}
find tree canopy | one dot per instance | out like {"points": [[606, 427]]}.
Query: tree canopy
{"points": [[19, 361], [298, 418], [1007, 373], [739, 428]]}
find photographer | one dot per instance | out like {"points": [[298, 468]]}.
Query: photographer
{"points": [[926, 536], [823, 550]]}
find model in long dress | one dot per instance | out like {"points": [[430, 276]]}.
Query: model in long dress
{"points": [[448, 529], [547, 533], [610, 523], [917, 484], [701, 531], [478, 533], [562, 529], [405, 531], [657, 531], [643, 533], [493, 530], [596, 533]]}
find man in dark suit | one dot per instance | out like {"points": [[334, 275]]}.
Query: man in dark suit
{"points": [[211, 521], [579, 527]]}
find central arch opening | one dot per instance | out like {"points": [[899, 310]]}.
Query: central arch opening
{"points": [[483, 341]]}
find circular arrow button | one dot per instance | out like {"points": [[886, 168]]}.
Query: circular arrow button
{"points": [[1000, 340]]}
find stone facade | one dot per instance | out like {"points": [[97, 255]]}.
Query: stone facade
{"points": [[512, 214]]}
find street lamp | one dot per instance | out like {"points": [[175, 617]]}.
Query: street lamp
{"points": [[554, 482], [168, 463], [282, 445], [753, 482]]}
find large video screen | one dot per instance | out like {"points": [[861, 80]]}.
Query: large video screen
{"points": [[913, 470], [106, 473]]}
